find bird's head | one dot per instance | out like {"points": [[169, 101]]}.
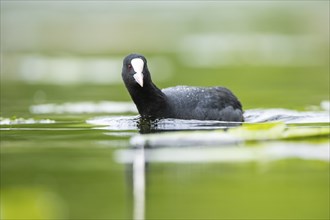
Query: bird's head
{"points": [[135, 70]]}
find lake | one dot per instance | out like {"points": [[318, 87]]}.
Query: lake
{"points": [[76, 152], [74, 147]]}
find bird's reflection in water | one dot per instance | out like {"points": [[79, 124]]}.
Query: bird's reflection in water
{"points": [[147, 125], [138, 169]]}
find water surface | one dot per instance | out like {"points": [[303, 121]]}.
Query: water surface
{"points": [[63, 158]]}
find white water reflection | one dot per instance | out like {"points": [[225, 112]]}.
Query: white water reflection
{"points": [[115, 123], [286, 115], [271, 152], [139, 184], [18, 121]]}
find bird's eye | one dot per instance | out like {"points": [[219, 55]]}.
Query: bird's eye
{"points": [[129, 66]]}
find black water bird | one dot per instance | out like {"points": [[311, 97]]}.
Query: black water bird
{"points": [[181, 102]]}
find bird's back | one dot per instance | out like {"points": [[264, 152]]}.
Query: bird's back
{"points": [[203, 103]]}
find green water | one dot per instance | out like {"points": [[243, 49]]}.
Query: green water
{"points": [[271, 54], [68, 169]]}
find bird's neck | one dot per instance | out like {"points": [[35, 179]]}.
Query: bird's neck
{"points": [[149, 100]]}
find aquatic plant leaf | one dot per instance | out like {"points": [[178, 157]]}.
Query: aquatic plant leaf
{"points": [[236, 135]]}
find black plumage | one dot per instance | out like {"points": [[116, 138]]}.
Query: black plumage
{"points": [[182, 102]]}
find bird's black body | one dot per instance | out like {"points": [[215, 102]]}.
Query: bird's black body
{"points": [[183, 102]]}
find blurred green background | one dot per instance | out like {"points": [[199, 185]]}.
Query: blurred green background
{"points": [[269, 53]]}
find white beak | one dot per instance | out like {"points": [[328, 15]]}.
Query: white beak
{"points": [[139, 78], [138, 64]]}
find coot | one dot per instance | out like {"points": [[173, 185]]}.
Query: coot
{"points": [[182, 102]]}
